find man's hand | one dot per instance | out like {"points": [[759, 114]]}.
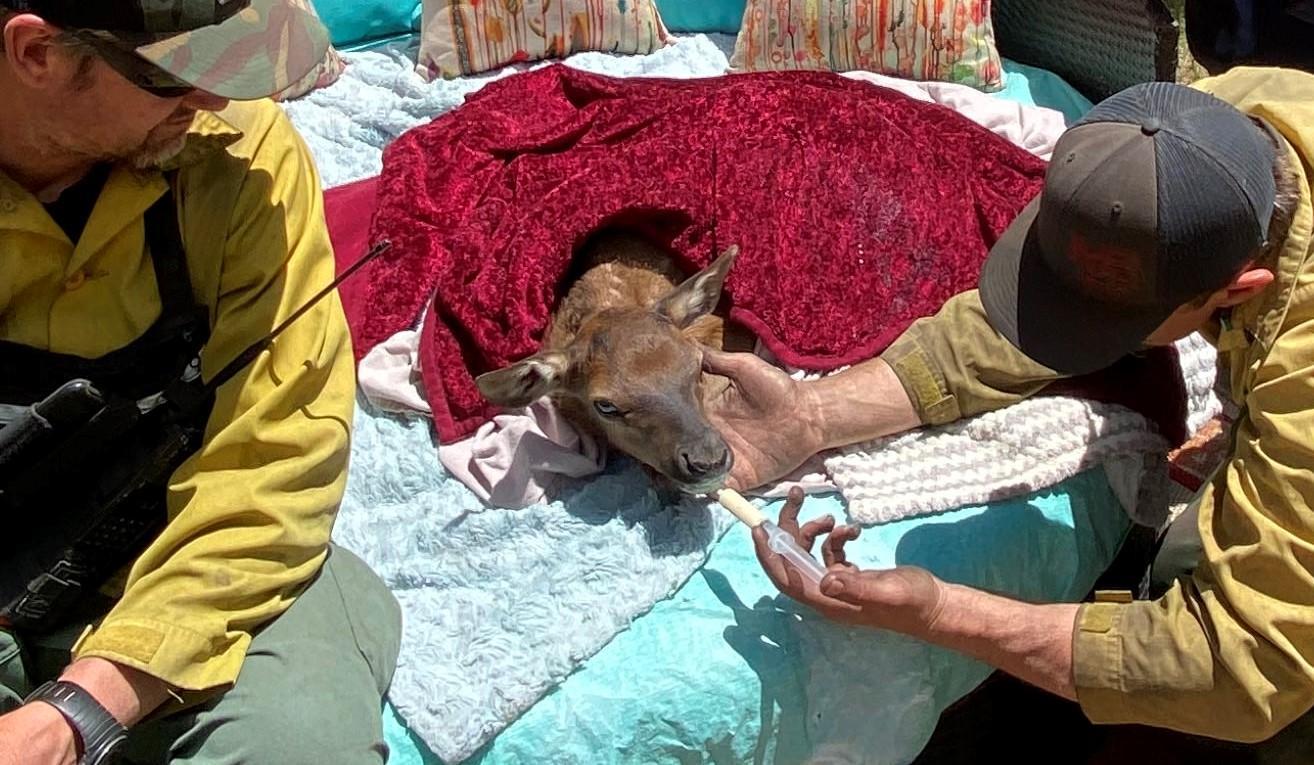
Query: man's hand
{"points": [[763, 417], [774, 424], [36, 734], [1032, 642], [905, 599]]}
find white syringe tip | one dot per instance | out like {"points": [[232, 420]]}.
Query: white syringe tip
{"points": [[741, 508]]}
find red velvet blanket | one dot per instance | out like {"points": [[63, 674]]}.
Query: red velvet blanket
{"points": [[856, 210], [348, 210]]}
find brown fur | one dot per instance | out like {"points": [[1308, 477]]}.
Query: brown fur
{"points": [[621, 270], [626, 336]]}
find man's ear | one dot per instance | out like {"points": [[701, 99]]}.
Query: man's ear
{"points": [[1246, 285], [699, 294], [525, 381], [29, 46]]}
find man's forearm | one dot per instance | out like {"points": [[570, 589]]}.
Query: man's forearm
{"points": [[1031, 642], [126, 693], [863, 402]]}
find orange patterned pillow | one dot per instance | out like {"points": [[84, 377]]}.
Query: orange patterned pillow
{"points": [[943, 40], [459, 37]]}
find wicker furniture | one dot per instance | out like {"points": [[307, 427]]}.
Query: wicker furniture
{"points": [[1099, 46]]}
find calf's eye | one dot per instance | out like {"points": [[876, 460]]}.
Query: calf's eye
{"points": [[606, 408]]}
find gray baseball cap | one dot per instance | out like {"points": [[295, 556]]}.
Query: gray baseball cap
{"points": [[1159, 195]]}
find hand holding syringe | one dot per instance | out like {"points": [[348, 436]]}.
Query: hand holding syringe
{"points": [[779, 540]]}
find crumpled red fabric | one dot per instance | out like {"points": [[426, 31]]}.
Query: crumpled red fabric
{"points": [[856, 209]]}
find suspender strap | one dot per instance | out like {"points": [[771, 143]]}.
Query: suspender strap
{"points": [[164, 239]]}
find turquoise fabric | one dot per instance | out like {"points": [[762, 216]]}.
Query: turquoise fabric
{"points": [[708, 16], [352, 23], [1032, 86], [728, 671]]}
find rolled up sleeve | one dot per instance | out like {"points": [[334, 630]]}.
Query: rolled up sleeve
{"points": [[954, 364], [251, 512], [1229, 652]]}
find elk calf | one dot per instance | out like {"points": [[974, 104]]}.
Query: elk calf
{"points": [[623, 360]]}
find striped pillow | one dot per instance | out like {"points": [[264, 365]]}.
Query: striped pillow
{"points": [[460, 37], [941, 40]]}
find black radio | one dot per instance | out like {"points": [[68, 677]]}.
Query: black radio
{"points": [[81, 477]]}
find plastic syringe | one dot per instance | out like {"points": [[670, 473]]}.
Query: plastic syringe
{"points": [[778, 539]]}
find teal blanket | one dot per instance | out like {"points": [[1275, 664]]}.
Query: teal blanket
{"points": [[727, 671]]}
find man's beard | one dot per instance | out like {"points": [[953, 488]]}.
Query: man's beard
{"points": [[155, 152], [152, 152]]}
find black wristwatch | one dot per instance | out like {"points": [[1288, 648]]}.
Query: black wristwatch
{"points": [[100, 734]]}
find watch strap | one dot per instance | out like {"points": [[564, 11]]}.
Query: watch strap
{"points": [[100, 732]]}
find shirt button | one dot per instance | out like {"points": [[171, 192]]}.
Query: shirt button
{"points": [[77, 279]]}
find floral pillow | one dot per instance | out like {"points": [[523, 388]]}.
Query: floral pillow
{"points": [[460, 37], [942, 40]]}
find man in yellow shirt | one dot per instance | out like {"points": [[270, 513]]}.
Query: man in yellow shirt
{"points": [[1165, 211], [146, 221]]}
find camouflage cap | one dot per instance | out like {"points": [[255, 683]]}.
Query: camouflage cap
{"points": [[239, 49]]}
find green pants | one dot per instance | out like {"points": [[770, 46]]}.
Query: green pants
{"points": [[310, 690]]}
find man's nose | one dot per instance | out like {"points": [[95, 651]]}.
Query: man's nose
{"points": [[204, 102]]}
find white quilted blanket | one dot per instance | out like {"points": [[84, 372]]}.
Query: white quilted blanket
{"points": [[1016, 450]]}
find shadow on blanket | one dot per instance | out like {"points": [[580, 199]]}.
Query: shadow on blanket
{"points": [[821, 680], [687, 529], [933, 544], [762, 635]]}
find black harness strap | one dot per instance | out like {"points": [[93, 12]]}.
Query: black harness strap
{"points": [[169, 259]]}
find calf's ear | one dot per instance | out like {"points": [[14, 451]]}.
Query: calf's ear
{"points": [[525, 381], [698, 295]]}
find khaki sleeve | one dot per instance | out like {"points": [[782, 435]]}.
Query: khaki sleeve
{"points": [[955, 365], [251, 511], [1229, 652]]}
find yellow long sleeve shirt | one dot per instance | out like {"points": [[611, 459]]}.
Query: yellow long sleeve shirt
{"points": [[1229, 651], [251, 512]]}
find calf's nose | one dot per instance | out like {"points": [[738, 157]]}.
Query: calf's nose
{"points": [[704, 463]]}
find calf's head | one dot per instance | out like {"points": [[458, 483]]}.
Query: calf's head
{"points": [[634, 376]]}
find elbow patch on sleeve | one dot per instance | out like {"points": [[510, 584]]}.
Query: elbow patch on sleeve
{"points": [[923, 383]]}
